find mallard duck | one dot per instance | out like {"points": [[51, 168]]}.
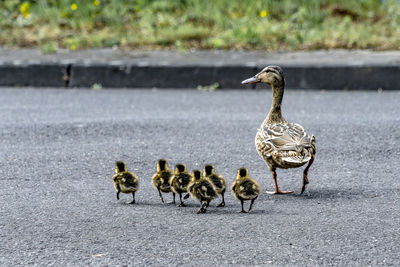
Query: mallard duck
{"points": [[245, 188], [180, 181], [161, 179], [217, 180], [281, 144], [124, 181], [202, 190]]}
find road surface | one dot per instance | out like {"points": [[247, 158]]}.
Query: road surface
{"points": [[58, 205]]}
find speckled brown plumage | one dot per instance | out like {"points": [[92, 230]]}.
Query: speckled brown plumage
{"points": [[281, 144]]}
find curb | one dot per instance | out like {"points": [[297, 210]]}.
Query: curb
{"points": [[326, 70], [300, 77]]}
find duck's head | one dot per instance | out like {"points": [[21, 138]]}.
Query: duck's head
{"points": [[208, 169], [179, 168], [196, 174], [162, 165], [271, 75], [243, 173], [120, 166]]}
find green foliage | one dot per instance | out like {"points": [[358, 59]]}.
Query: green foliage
{"points": [[183, 24]]}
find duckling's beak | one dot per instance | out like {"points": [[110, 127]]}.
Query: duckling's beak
{"points": [[251, 80]]}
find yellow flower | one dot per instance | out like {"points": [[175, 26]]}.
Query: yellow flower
{"points": [[264, 13], [74, 6], [73, 47], [96, 2], [235, 15], [24, 9]]}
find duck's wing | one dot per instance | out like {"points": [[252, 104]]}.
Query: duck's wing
{"points": [[289, 142], [289, 137]]}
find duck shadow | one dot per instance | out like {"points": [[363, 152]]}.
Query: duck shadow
{"points": [[326, 194]]}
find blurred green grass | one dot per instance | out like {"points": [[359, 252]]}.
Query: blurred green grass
{"points": [[184, 24]]}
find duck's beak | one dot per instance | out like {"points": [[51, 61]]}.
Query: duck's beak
{"points": [[251, 80]]}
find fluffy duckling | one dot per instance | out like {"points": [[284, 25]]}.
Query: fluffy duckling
{"points": [[180, 181], [201, 189], [161, 179], [218, 181], [124, 181], [245, 188]]}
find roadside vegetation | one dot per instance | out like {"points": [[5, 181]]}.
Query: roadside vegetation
{"points": [[184, 24]]}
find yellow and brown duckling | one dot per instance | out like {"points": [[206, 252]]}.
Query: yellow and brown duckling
{"points": [[281, 144], [218, 181], [180, 181], [201, 189], [124, 181], [161, 179], [245, 188]]}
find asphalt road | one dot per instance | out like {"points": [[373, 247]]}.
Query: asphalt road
{"points": [[58, 205]]}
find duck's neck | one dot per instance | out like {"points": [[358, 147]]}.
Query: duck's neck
{"points": [[275, 113]]}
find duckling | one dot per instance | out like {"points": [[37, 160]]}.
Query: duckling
{"points": [[201, 189], [180, 181], [245, 188], [218, 181], [161, 179], [281, 144], [124, 181]]}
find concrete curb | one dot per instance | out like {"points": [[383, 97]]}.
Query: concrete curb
{"points": [[173, 70]]}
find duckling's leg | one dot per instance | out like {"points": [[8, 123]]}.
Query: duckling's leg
{"points": [[222, 204], [173, 195], [242, 202], [305, 178], [181, 204], [277, 190], [187, 196], [133, 201], [251, 203], [203, 207], [118, 194], [159, 193]]}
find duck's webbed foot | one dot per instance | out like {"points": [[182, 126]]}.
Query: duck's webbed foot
{"points": [[277, 190]]}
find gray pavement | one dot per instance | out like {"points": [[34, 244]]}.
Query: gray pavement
{"points": [[336, 69], [58, 206]]}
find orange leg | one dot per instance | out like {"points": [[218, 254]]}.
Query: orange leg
{"points": [[277, 190], [305, 178]]}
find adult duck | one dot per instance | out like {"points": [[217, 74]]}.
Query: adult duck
{"points": [[281, 144]]}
